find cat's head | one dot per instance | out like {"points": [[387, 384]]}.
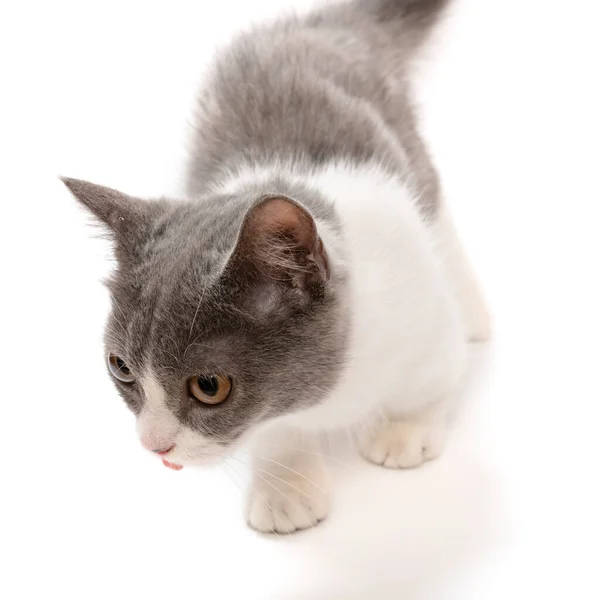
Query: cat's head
{"points": [[225, 314]]}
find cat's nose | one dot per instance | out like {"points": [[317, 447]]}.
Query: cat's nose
{"points": [[161, 451], [158, 442], [156, 445]]}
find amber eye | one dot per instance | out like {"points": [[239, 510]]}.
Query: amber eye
{"points": [[119, 369], [211, 389]]}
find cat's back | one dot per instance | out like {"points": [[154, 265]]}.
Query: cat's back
{"points": [[325, 86]]}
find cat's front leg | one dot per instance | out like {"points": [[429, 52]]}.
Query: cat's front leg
{"points": [[290, 484]]}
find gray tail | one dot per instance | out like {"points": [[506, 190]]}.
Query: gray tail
{"points": [[415, 18]]}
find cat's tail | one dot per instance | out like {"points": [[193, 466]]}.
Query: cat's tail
{"points": [[410, 20]]}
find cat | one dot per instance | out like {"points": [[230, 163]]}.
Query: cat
{"points": [[311, 280]]}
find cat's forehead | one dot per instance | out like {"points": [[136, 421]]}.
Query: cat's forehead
{"points": [[166, 292], [193, 232], [174, 326], [187, 244]]}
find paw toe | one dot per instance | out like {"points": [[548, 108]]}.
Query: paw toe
{"points": [[403, 445], [272, 510]]}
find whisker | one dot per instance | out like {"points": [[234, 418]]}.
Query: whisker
{"points": [[260, 496], [175, 358], [237, 485], [116, 337], [197, 344], [288, 499], [196, 313], [274, 477], [116, 304], [293, 471], [297, 449], [313, 452], [321, 454], [119, 324]]}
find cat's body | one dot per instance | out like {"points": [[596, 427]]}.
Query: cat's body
{"points": [[391, 329], [333, 85], [313, 280]]}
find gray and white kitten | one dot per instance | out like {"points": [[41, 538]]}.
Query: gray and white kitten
{"points": [[311, 280]]}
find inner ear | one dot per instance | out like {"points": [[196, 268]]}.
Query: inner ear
{"points": [[274, 216], [279, 241]]}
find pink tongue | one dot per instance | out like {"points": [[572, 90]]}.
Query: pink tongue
{"points": [[172, 466]]}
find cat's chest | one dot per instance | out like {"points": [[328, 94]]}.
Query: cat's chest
{"points": [[375, 370]]}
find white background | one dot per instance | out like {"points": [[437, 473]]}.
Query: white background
{"points": [[510, 101]]}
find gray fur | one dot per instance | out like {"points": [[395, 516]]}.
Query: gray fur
{"points": [[306, 90], [187, 293]]}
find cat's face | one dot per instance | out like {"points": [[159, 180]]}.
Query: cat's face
{"points": [[225, 314]]}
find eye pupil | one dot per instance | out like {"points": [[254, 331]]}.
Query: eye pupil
{"points": [[208, 385], [209, 389], [122, 366], [119, 369]]}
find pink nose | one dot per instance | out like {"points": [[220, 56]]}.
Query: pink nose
{"points": [[157, 447], [164, 451]]}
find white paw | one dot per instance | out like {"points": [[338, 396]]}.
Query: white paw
{"points": [[403, 444], [285, 503]]}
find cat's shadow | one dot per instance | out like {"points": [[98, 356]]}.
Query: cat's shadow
{"points": [[403, 534]]}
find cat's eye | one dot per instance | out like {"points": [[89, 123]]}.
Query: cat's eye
{"points": [[211, 389], [119, 369]]}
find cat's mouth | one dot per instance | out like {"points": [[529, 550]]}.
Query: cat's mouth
{"points": [[171, 465]]}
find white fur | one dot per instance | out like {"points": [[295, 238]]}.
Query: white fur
{"points": [[405, 442], [407, 343], [157, 426], [471, 302], [414, 301], [159, 429], [290, 484]]}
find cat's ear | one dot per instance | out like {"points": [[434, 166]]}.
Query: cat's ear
{"points": [[279, 247], [126, 217]]}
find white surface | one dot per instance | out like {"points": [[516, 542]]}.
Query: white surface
{"points": [[102, 91]]}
